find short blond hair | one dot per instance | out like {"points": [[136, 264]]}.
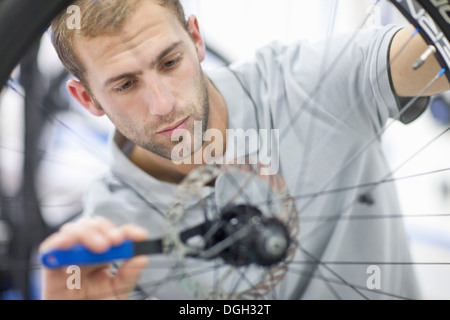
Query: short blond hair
{"points": [[98, 18]]}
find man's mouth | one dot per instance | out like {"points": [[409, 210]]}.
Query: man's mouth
{"points": [[175, 130]]}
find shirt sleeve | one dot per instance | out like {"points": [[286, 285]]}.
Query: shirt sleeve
{"points": [[410, 108], [375, 46], [346, 74], [363, 75]]}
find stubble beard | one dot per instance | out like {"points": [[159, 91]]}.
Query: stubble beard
{"points": [[195, 142]]}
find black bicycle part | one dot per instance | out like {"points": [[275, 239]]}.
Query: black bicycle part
{"points": [[29, 17], [264, 241]]}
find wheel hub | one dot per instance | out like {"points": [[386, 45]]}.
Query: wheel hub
{"points": [[255, 239]]}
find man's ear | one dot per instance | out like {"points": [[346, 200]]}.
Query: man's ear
{"points": [[79, 92], [197, 36]]}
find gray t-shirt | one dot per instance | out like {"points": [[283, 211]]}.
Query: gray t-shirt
{"points": [[330, 102]]}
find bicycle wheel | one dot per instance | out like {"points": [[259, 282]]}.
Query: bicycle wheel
{"points": [[240, 269]]}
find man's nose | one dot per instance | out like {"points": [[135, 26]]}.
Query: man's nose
{"points": [[161, 100]]}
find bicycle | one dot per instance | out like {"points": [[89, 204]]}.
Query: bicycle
{"points": [[272, 262]]}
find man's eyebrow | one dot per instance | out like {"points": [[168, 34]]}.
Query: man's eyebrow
{"points": [[132, 74], [167, 51], [122, 76]]}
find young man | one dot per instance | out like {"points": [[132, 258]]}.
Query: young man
{"points": [[139, 63]]}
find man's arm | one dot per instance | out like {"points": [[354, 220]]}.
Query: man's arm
{"points": [[407, 81]]}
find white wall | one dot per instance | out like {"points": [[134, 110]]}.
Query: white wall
{"points": [[238, 27]]}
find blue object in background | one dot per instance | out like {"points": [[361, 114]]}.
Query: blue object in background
{"points": [[440, 110]]}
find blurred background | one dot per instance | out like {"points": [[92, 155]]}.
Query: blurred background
{"points": [[51, 149]]}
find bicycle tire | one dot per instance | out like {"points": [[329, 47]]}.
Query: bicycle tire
{"points": [[30, 18]]}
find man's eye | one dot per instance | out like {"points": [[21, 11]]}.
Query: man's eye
{"points": [[125, 86], [172, 63]]}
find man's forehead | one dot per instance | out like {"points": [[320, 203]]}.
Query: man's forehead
{"points": [[151, 26]]}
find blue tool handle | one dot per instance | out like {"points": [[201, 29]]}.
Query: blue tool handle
{"points": [[80, 256]]}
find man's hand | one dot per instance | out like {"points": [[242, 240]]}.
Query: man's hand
{"points": [[407, 81], [98, 235]]}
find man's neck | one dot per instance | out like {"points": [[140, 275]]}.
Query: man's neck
{"points": [[166, 170]]}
